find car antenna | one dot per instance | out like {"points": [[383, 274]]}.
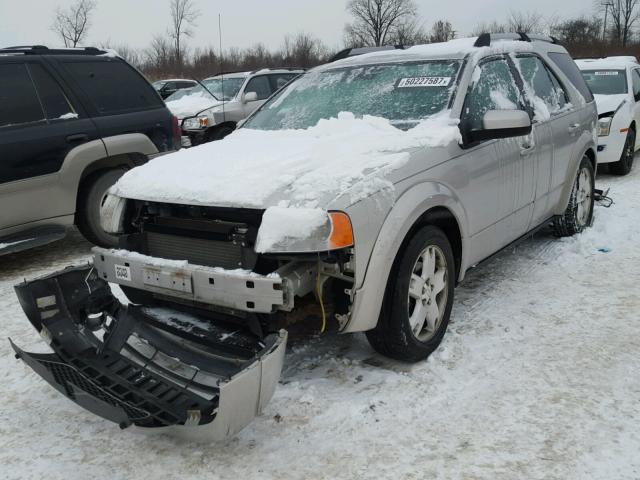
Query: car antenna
{"points": [[221, 69]]}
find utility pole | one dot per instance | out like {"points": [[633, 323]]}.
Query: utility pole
{"points": [[604, 27]]}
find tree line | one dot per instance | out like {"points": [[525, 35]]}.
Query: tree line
{"points": [[611, 30]]}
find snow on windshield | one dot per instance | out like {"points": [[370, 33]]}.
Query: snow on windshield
{"points": [[224, 88], [404, 93], [291, 168]]}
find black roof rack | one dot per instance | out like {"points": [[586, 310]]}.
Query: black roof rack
{"points": [[484, 39], [44, 50], [352, 52]]}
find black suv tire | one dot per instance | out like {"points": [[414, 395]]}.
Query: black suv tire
{"points": [[90, 199]]}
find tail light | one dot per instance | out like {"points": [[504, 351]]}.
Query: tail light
{"points": [[177, 132]]}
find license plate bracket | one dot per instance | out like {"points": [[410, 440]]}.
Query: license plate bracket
{"points": [[176, 281]]}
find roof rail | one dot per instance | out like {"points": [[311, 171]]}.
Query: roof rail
{"points": [[44, 50], [352, 52], [484, 39]]}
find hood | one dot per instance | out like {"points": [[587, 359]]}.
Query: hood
{"points": [[191, 105], [609, 103], [287, 168]]}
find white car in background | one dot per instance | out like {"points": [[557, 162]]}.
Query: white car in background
{"points": [[615, 83]]}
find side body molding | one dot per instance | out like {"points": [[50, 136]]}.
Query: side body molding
{"points": [[405, 213]]}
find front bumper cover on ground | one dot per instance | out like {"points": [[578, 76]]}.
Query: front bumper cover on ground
{"points": [[154, 368]]}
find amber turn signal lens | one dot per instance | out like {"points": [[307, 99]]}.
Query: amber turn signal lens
{"points": [[341, 231]]}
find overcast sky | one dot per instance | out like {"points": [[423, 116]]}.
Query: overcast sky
{"points": [[246, 22]]}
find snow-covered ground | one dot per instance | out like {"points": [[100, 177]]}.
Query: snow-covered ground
{"points": [[538, 377]]}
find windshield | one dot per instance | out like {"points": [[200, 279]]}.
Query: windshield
{"points": [[402, 93], [159, 84], [224, 88], [606, 82]]}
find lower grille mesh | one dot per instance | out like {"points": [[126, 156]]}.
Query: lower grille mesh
{"points": [[197, 251]]}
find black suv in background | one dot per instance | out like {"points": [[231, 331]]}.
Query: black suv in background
{"points": [[72, 121]]}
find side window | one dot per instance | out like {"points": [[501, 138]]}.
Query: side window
{"points": [[260, 85], [19, 102], [113, 86], [543, 90], [635, 77], [493, 88], [55, 103], [279, 81], [570, 69], [185, 84]]}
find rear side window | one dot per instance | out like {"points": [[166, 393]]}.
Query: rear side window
{"points": [[635, 77], [55, 103], [570, 69], [546, 95], [19, 102], [113, 87]]}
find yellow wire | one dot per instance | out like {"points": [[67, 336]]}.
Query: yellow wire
{"points": [[324, 317]]}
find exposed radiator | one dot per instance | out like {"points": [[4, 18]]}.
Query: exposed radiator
{"points": [[197, 251]]}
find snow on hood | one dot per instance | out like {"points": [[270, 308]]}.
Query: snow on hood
{"points": [[287, 168], [609, 103], [190, 105]]}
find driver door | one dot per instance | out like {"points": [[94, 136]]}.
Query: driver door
{"points": [[512, 171], [262, 88]]}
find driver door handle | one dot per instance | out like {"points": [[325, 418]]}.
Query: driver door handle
{"points": [[79, 137]]}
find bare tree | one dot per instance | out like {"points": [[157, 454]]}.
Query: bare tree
{"points": [[71, 24], [624, 14], [579, 31], [375, 21], [409, 32], [442, 31], [525, 22], [302, 50], [492, 27], [183, 19]]}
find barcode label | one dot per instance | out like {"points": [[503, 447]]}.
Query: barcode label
{"points": [[412, 82]]}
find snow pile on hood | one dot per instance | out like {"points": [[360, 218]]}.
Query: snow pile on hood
{"points": [[609, 103], [296, 168], [193, 104]]}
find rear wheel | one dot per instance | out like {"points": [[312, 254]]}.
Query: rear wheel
{"points": [[418, 299], [90, 200], [623, 166], [579, 212]]}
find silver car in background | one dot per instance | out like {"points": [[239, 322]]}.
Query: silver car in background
{"points": [[391, 174], [211, 111]]}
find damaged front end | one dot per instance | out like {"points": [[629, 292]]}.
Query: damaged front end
{"points": [[152, 367]]}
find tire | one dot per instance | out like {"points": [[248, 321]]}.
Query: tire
{"points": [[624, 165], [398, 334], [220, 133], [579, 212], [90, 198]]}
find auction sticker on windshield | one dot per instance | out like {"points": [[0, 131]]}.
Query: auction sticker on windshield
{"points": [[613, 73], [424, 82]]}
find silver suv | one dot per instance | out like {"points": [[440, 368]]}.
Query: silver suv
{"points": [[354, 200], [213, 109]]}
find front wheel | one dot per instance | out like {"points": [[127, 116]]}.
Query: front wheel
{"points": [[418, 299], [579, 212]]}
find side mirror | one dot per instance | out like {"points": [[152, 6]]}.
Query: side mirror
{"points": [[502, 124], [250, 97]]}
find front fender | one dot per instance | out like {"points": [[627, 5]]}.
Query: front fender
{"points": [[406, 211]]}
